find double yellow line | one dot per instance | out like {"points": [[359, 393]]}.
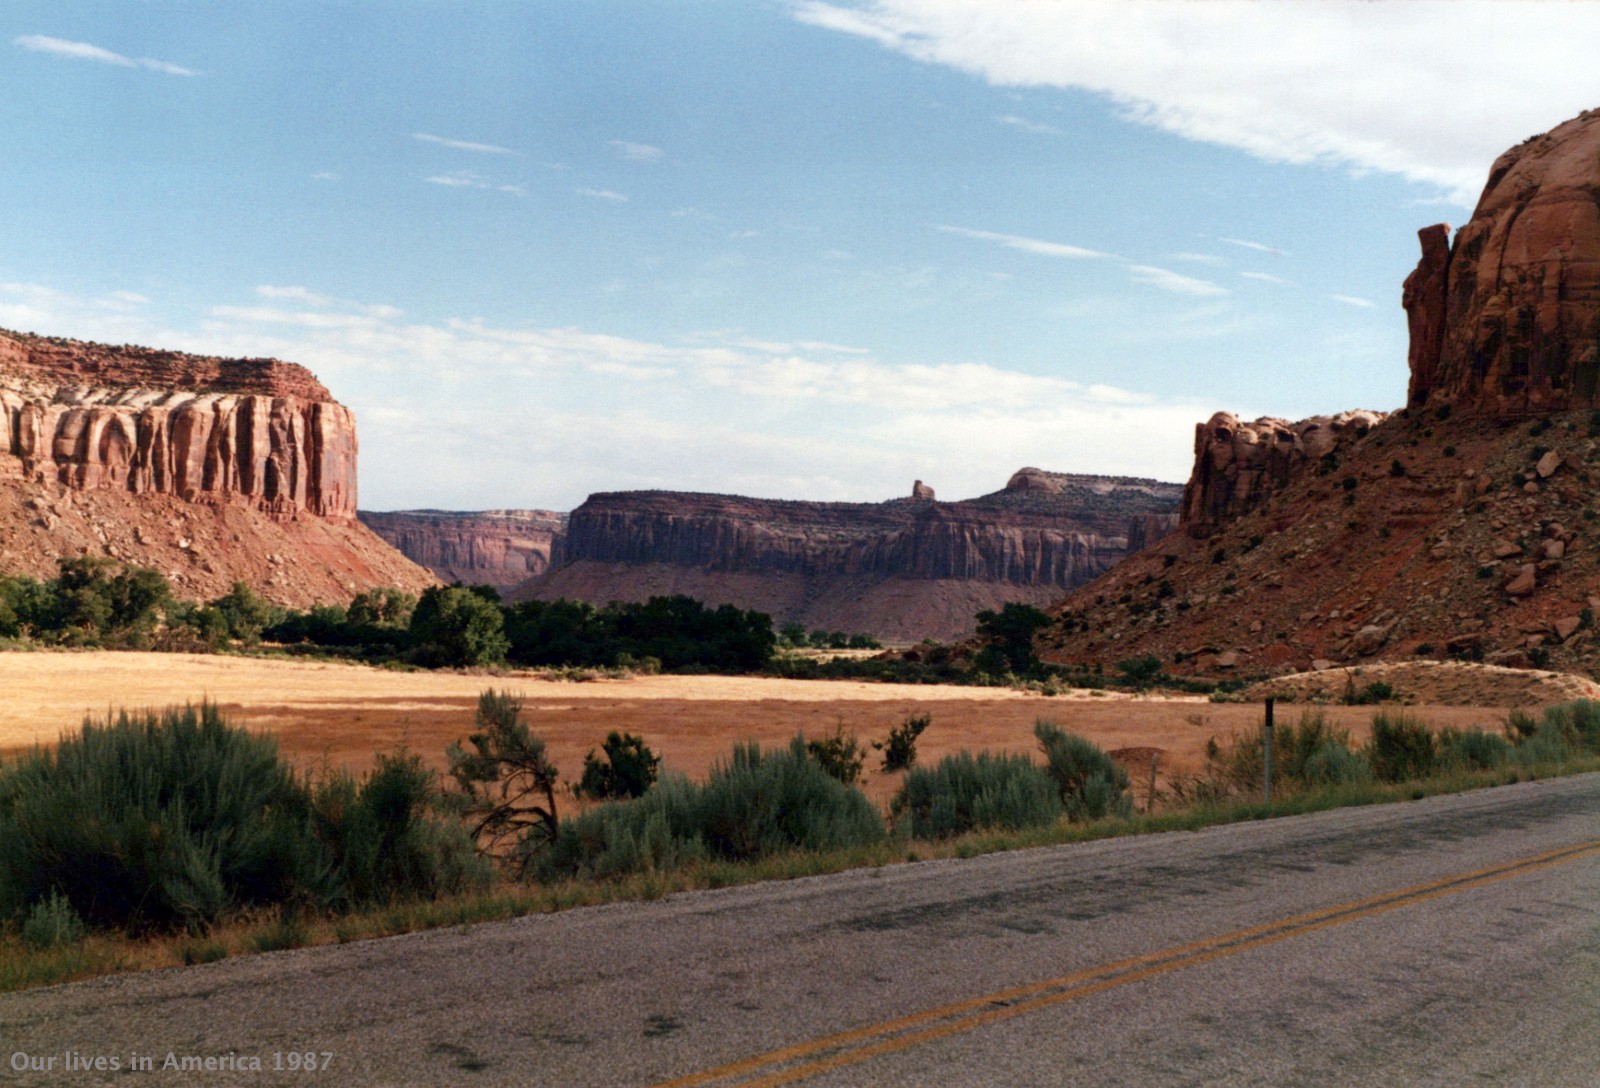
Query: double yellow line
{"points": [[793, 1063]]}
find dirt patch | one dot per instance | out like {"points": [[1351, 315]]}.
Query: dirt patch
{"points": [[1440, 683], [342, 715]]}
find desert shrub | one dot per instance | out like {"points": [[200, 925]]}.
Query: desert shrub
{"points": [[1401, 747], [389, 837], [52, 923], [964, 792], [1009, 636], [1090, 784], [1546, 744], [1472, 749], [752, 805], [628, 768], [507, 781], [1141, 672], [1332, 763], [841, 754], [1578, 722], [157, 820], [899, 748]]}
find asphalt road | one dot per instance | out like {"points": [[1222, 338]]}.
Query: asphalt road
{"points": [[1449, 941]]}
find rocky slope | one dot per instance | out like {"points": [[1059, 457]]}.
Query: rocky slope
{"points": [[1466, 525], [904, 569], [208, 469], [500, 548]]}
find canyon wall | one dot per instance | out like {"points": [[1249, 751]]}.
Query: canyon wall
{"points": [[500, 548], [903, 569], [209, 469]]}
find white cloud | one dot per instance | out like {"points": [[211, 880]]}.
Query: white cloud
{"points": [[1430, 91], [636, 152], [1352, 300], [1029, 126], [1264, 277], [1199, 258], [462, 145], [59, 47], [299, 294], [1167, 280], [1026, 245], [1259, 247], [325, 175], [130, 296], [466, 179], [603, 194]]}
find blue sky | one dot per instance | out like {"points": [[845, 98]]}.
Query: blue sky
{"points": [[788, 249]]}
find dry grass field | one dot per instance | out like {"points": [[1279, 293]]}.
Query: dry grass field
{"points": [[344, 714]]}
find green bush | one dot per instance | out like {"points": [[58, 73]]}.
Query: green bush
{"points": [[1579, 723], [389, 838], [841, 754], [1090, 783], [628, 769], [455, 627], [752, 806], [1472, 749], [899, 748], [1332, 763], [1401, 747], [157, 820], [967, 793], [52, 923]]}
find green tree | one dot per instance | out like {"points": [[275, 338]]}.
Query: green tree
{"points": [[455, 627], [1010, 632], [245, 614], [507, 781], [628, 769], [384, 606]]}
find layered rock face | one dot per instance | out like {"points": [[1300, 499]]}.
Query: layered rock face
{"points": [[210, 470], [258, 432], [1507, 321], [1238, 465], [908, 568], [500, 548]]}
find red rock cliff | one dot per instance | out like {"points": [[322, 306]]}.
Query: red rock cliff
{"points": [[501, 548], [256, 432], [907, 568], [1508, 321]]}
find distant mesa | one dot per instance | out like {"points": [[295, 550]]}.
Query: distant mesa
{"points": [[905, 569], [499, 548], [208, 469]]}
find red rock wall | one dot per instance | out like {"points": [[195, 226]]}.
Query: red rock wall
{"points": [[1237, 465], [501, 548], [257, 432], [1521, 318]]}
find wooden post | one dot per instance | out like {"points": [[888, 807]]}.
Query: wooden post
{"points": [[1150, 798], [1266, 753]]}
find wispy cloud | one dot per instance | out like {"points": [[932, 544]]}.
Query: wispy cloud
{"points": [[1259, 247], [466, 179], [1352, 300], [1264, 277], [1476, 75], [60, 47], [1199, 258], [636, 152], [1029, 126], [603, 194], [295, 293], [462, 145], [325, 175], [1167, 280], [1026, 245]]}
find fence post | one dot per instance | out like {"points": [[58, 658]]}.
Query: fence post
{"points": [[1266, 752], [1150, 798]]}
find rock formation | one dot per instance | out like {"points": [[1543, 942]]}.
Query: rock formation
{"points": [[1463, 526], [253, 431], [208, 469], [920, 490], [1514, 304], [1237, 465], [500, 548], [903, 569]]}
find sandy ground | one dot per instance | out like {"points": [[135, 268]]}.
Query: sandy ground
{"points": [[343, 715]]}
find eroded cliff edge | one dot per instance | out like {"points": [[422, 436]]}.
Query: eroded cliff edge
{"points": [[209, 469], [499, 548]]}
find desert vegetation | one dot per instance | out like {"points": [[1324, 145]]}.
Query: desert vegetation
{"points": [[178, 828]]}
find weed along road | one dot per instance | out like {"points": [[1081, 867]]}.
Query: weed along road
{"points": [[1444, 941]]}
